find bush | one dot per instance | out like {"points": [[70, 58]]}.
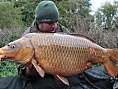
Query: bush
{"points": [[10, 17], [8, 68]]}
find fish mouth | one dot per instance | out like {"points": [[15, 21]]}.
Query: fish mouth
{"points": [[2, 56]]}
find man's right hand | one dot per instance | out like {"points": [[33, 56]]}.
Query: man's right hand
{"points": [[28, 70]]}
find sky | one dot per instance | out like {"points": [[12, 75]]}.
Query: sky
{"points": [[97, 3]]}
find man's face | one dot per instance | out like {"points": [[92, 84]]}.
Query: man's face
{"points": [[48, 26]]}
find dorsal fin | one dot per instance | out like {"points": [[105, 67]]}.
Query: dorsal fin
{"points": [[84, 36]]}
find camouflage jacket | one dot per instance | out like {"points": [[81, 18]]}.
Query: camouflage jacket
{"points": [[34, 29]]}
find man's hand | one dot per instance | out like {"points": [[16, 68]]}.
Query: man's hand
{"points": [[30, 70]]}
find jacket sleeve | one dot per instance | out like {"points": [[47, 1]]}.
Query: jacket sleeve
{"points": [[31, 29], [62, 29]]}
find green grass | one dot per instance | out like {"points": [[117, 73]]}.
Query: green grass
{"points": [[8, 69]]}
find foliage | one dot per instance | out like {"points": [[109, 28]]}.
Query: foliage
{"points": [[73, 12], [104, 38], [77, 16], [67, 9], [10, 16], [106, 15], [8, 69], [27, 10], [7, 35]]}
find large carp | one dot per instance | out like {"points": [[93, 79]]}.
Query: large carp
{"points": [[59, 54]]}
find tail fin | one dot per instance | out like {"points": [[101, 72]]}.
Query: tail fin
{"points": [[110, 64], [111, 68]]}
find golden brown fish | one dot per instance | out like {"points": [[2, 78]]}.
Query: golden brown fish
{"points": [[58, 54]]}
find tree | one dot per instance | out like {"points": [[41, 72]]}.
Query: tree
{"points": [[27, 10], [10, 17], [105, 15], [79, 9], [75, 14]]}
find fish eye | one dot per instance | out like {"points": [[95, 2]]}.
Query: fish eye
{"points": [[13, 46], [8, 45]]}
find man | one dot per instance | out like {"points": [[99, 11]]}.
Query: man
{"points": [[46, 20]]}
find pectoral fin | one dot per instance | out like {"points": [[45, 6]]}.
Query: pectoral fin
{"points": [[63, 79], [38, 68]]}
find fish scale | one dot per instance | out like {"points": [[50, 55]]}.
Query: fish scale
{"points": [[60, 54], [60, 60], [63, 52]]}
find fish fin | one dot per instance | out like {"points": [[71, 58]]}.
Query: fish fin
{"points": [[79, 35], [63, 79], [38, 68], [111, 68], [83, 36]]}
